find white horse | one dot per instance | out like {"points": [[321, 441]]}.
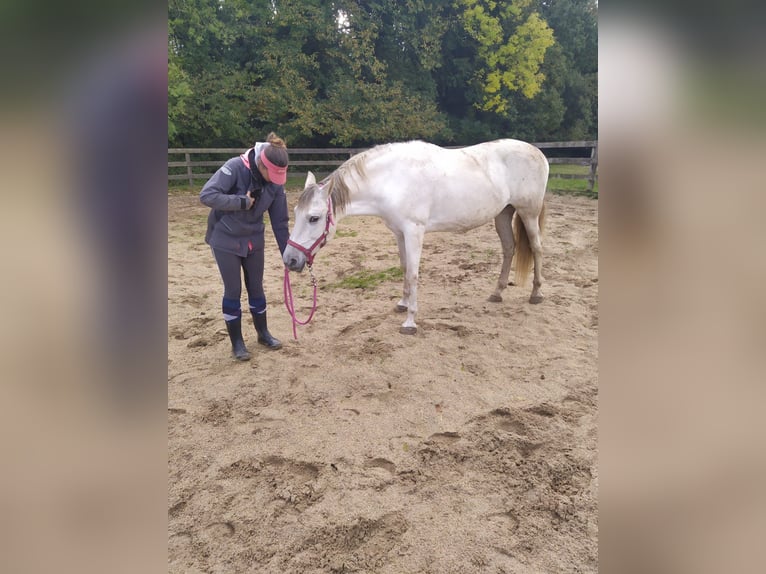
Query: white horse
{"points": [[416, 187]]}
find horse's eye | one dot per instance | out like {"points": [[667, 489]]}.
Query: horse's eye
{"points": [[313, 219]]}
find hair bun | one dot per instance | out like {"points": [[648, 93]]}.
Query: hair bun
{"points": [[275, 140]]}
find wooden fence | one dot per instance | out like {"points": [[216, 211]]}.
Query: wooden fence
{"points": [[324, 160]]}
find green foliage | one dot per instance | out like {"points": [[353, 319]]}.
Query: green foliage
{"points": [[576, 29], [511, 43], [361, 72], [365, 113], [179, 93]]}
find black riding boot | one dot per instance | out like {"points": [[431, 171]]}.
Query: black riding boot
{"points": [[238, 348], [264, 337]]}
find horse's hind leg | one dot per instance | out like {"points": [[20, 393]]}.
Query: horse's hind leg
{"points": [[532, 226], [504, 228]]}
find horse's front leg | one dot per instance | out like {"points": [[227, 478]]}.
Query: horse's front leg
{"points": [[403, 303], [413, 241]]}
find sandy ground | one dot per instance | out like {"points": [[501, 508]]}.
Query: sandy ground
{"points": [[469, 447]]}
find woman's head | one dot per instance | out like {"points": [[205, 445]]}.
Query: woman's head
{"points": [[272, 161]]}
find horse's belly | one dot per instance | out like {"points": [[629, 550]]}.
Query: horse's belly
{"points": [[462, 218], [454, 225]]}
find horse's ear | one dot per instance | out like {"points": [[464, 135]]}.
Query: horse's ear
{"points": [[310, 179]]}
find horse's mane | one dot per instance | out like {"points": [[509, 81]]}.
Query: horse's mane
{"points": [[338, 182]]}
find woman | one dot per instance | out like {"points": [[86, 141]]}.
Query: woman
{"points": [[239, 193]]}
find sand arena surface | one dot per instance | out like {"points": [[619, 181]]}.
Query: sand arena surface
{"points": [[469, 447]]}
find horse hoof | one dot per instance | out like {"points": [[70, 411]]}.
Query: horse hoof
{"points": [[535, 299], [495, 298], [408, 330], [400, 309]]}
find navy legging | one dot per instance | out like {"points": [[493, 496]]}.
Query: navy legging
{"points": [[231, 267]]}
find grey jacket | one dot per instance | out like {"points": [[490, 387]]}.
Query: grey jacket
{"points": [[230, 226]]}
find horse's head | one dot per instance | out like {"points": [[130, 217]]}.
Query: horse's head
{"points": [[314, 225]]}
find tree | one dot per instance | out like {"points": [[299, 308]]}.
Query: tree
{"points": [[511, 40], [298, 68], [565, 108], [179, 92], [360, 72], [576, 28]]}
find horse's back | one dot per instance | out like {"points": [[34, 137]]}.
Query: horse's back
{"points": [[514, 155], [452, 189], [517, 167], [504, 160]]}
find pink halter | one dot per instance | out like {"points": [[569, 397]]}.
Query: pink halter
{"points": [[309, 253], [321, 240]]}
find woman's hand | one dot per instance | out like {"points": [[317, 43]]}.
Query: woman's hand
{"points": [[250, 200]]}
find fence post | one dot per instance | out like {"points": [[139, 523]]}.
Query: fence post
{"points": [[593, 167], [189, 169]]}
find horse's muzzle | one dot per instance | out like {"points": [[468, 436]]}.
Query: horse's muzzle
{"points": [[295, 265], [294, 259]]}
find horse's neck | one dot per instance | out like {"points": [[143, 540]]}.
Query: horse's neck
{"points": [[361, 207], [360, 202]]}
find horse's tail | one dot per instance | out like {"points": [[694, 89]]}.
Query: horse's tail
{"points": [[524, 255]]}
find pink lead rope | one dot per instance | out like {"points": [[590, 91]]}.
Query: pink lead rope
{"points": [[310, 253], [288, 291]]}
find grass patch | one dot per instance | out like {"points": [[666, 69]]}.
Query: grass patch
{"points": [[367, 279], [346, 233], [563, 168], [571, 186]]}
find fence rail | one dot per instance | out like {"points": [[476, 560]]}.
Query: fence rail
{"points": [[184, 170]]}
